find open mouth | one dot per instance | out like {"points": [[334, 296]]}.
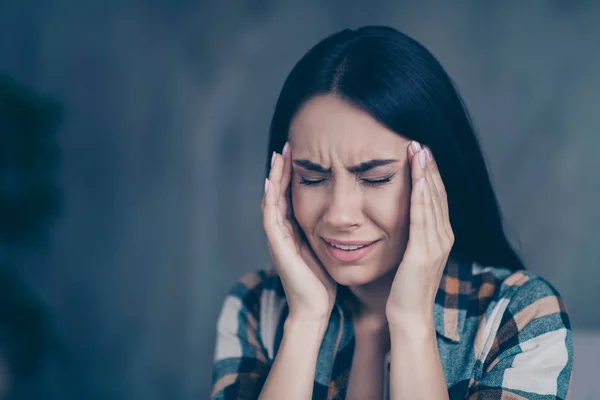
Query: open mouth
{"points": [[346, 247], [349, 251]]}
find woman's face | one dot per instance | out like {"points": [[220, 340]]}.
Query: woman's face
{"points": [[351, 187]]}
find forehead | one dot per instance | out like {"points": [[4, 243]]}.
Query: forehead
{"points": [[328, 126]]}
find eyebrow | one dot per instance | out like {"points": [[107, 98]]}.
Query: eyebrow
{"points": [[357, 169]]}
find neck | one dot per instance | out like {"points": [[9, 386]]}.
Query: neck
{"points": [[368, 311], [370, 299]]}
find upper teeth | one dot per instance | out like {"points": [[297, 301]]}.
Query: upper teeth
{"points": [[344, 247]]}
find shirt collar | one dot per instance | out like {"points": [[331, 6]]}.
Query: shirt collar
{"points": [[451, 300]]}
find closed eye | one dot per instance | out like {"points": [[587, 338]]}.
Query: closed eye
{"points": [[372, 182], [375, 182], [311, 182]]}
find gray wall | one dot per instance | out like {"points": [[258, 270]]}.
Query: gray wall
{"points": [[167, 108]]}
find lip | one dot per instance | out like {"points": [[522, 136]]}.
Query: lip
{"points": [[352, 255], [349, 242]]}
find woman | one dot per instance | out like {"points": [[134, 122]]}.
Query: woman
{"points": [[392, 277]]}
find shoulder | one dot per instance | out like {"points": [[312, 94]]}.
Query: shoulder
{"points": [[250, 315], [253, 293], [254, 283], [516, 291], [522, 335], [517, 310]]}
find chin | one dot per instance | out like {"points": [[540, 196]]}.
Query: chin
{"points": [[353, 275]]}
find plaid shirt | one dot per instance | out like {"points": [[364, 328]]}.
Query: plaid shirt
{"points": [[500, 334]]}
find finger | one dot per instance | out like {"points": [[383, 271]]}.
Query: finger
{"points": [[277, 178], [268, 182], [296, 230], [286, 177], [437, 207], [412, 149], [418, 220], [431, 234], [271, 219], [417, 214], [276, 170], [289, 208], [417, 164], [442, 195]]}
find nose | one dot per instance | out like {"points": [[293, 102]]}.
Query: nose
{"points": [[344, 212]]}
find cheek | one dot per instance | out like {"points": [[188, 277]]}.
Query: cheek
{"points": [[390, 210], [305, 206]]}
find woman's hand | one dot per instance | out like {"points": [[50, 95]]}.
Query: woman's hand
{"points": [[309, 289], [415, 285]]}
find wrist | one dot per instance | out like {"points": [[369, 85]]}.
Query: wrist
{"points": [[412, 325], [417, 313], [306, 326]]}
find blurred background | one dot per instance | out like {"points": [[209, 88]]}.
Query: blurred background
{"points": [[133, 138]]}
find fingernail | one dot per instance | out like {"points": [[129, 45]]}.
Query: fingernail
{"points": [[272, 159], [422, 158], [415, 146], [429, 155], [266, 184], [286, 148]]}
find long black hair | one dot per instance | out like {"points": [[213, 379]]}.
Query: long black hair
{"points": [[402, 85]]}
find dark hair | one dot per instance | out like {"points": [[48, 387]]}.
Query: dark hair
{"points": [[402, 85]]}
